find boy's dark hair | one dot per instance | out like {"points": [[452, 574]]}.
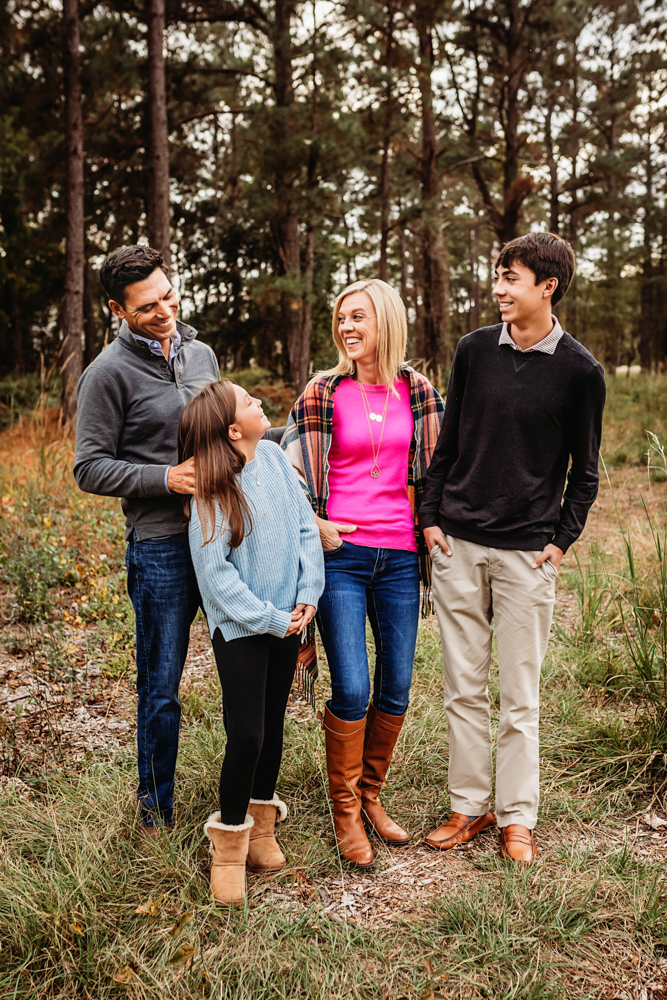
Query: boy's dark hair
{"points": [[546, 254], [125, 266]]}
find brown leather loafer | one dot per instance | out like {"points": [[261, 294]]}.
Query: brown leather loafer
{"points": [[459, 829], [517, 844]]}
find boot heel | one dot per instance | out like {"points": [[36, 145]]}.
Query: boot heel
{"points": [[345, 747]]}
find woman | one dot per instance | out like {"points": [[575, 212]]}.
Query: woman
{"points": [[258, 561], [361, 437]]}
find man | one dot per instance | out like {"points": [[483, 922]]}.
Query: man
{"points": [[130, 401], [524, 399]]}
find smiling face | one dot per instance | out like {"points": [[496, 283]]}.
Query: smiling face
{"points": [[150, 307], [249, 421], [520, 300], [358, 327]]}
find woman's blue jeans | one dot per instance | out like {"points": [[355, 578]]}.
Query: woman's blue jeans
{"points": [[163, 589], [385, 584]]}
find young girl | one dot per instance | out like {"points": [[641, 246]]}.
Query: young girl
{"points": [[258, 560]]}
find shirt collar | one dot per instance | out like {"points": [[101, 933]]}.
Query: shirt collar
{"points": [[156, 348], [547, 345]]}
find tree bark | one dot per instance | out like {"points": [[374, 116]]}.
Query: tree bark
{"points": [[74, 256], [571, 310], [158, 132], [402, 252], [513, 58], [554, 191], [435, 319], [286, 223], [649, 315], [386, 145], [474, 321], [91, 333]]}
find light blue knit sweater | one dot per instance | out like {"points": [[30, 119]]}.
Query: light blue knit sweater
{"points": [[253, 589]]}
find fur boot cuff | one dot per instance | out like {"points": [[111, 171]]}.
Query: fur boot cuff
{"points": [[275, 801], [213, 823]]}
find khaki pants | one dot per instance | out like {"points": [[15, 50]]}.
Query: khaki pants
{"points": [[470, 587]]}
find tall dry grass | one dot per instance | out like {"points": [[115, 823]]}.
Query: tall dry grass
{"points": [[586, 921]]}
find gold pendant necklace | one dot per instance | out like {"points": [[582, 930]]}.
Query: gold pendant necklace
{"points": [[375, 468]]}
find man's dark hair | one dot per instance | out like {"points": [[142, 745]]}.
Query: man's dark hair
{"points": [[546, 254], [125, 266]]}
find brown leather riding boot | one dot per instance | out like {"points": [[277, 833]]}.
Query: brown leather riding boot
{"points": [[345, 748], [381, 734]]}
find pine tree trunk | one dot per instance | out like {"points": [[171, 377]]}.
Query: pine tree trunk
{"points": [[74, 257], [386, 144], [384, 187], [286, 223], [435, 318], [158, 131], [474, 321], [554, 191], [91, 332], [649, 315]]}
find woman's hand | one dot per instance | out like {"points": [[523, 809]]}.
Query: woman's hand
{"points": [[330, 533], [302, 614]]}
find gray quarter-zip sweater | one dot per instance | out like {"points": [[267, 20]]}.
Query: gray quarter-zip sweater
{"points": [[129, 404]]}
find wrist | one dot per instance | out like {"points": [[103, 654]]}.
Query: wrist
{"points": [[561, 542]]}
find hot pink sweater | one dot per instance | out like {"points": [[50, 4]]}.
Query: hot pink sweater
{"points": [[379, 507]]}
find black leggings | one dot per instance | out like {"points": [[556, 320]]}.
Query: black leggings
{"points": [[256, 674]]}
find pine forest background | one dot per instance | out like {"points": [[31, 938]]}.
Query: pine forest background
{"points": [[275, 151]]}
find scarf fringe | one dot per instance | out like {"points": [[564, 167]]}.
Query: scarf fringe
{"points": [[307, 670], [428, 608]]}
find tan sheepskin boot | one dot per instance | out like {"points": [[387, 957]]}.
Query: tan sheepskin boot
{"points": [[229, 850], [264, 854]]}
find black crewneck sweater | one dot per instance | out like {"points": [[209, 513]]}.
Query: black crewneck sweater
{"points": [[512, 422]]}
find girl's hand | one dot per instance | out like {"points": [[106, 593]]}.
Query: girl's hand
{"points": [[302, 614]]}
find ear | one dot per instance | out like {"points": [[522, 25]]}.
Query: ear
{"points": [[234, 433], [116, 309], [550, 286]]}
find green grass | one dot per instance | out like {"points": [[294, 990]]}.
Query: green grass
{"points": [[634, 405], [578, 924], [72, 876]]}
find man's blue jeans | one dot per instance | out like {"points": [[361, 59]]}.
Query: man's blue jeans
{"points": [[384, 583], [163, 589]]}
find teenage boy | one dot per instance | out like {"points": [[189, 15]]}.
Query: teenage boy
{"points": [[524, 400], [130, 401]]}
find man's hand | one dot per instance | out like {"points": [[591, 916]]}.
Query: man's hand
{"points": [[330, 533], [302, 614], [550, 552], [181, 478], [435, 536]]}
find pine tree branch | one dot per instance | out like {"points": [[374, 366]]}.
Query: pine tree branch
{"points": [[487, 198], [230, 72], [220, 12]]}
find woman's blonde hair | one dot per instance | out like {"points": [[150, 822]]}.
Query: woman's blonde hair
{"points": [[392, 323]]}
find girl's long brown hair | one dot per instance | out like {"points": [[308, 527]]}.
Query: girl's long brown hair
{"points": [[203, 434]]}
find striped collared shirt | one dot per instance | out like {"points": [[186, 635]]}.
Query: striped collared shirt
{"points": [[547, 345], [155, 346]]}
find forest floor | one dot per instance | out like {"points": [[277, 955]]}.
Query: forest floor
{"points": [[87, 911]]}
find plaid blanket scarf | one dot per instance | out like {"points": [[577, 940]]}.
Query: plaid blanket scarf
{"points": [[307, 441]]}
